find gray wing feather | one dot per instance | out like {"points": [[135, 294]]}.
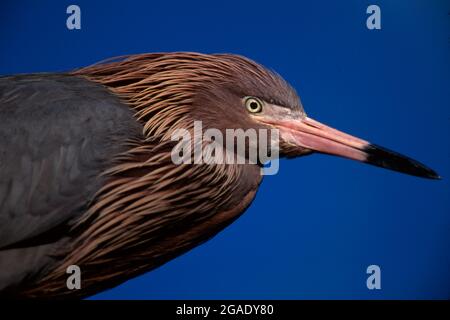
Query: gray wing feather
{"points": [[58, 133]]}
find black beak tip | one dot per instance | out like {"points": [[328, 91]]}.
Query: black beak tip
{"points": [[434, 175], [388, 159], [431, 174]]}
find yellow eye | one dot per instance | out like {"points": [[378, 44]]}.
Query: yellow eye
{"points": [[253, 105]]}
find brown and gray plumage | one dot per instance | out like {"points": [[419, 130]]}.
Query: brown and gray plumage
{"points": [[86, 176]]}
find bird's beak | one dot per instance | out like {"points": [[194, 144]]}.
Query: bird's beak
{"points": [[315, 136]]}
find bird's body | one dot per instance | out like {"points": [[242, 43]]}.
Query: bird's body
{"points": [[87, 178], [58, 153]]}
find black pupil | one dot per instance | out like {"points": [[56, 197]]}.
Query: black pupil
{"points": [[253, 105]]}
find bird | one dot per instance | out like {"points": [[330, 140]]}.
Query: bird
{"points": [[87, 176]]}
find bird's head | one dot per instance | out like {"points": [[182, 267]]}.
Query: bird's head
{"points": [[226, 91]]}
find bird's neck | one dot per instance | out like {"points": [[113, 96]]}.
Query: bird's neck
{"points": [[152, 210]]}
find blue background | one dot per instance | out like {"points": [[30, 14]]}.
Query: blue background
{"points": [[315, 227]]}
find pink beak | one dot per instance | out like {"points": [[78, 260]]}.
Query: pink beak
{"points": [[313, 135]]}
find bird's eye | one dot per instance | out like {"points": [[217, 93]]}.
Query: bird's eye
{"points": [[253, 105]]}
